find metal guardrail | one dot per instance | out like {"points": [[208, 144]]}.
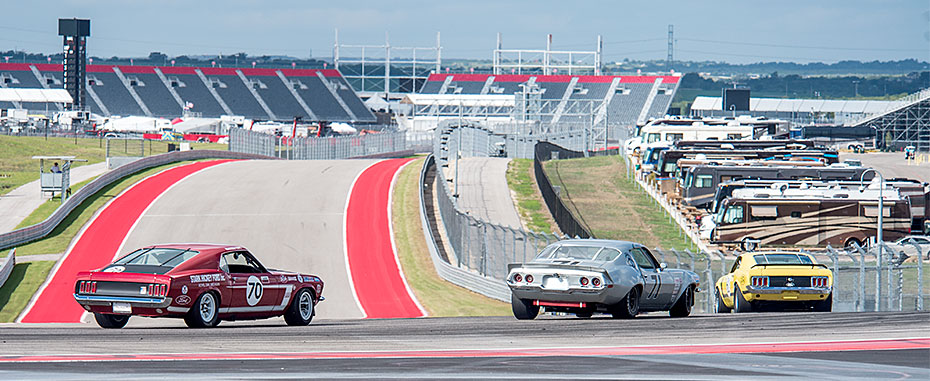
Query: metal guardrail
{"points": [[37, 231], [567, 221], [7, 267], [312, 148]]}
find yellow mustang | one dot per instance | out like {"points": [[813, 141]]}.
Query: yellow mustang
{"points": [[775, 279]]}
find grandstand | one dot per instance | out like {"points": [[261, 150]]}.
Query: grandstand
{"points": [[261, 94], [629, 99], [904, 123]]}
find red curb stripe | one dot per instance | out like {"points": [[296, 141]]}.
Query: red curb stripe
{"points": [[99, 243], [825, 346], [378, 283]]}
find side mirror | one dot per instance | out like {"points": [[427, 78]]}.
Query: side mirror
{"points": [[663, 266]]}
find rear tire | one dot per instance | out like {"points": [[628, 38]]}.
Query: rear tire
{"points": [[523, 309], [683, 306], [301, 310], [825, 305], [720, 307], [628, 307], [584, 314], [111, 321], [740, 304], [204, 313]]}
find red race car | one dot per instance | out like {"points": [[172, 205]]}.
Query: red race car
{"points": [[202, 283]]}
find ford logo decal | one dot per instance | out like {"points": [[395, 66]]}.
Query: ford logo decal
{"points": [[183, 300]]}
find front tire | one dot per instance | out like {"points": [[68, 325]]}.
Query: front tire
{"points": [[301, 310], [111, 321], [628, 307], [720, 307], [523, 309], [204, 313], [684, 304], [740, 304]]}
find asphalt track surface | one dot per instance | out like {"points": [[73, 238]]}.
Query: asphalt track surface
{"points": [[891, 164], [731, 346], [483, 190], [98, 244]]}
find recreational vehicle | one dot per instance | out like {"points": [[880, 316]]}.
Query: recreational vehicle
{"points": [[667, 162]]}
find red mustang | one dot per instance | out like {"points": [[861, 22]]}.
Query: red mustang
{"points": [[202, 283]]}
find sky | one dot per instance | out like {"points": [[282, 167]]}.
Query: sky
{"points": [[743, 31]]}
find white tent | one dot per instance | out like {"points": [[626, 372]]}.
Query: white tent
{"points": [[136, 124]]}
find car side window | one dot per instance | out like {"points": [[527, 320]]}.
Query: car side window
{"points": [[223, 266], [735, 264], [241, 262], [607, 255], [641, 259]]}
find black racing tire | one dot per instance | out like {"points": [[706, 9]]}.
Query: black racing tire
{"points": [[301, 310], [205, 313], [585, 313], [111, 321], [682, 307], [825, 305], [523, 309], [720, 307], [628, 307], [740, 304]]}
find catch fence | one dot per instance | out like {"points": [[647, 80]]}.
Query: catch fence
{"points": [[313, 148]]}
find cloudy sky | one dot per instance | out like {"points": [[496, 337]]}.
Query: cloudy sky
{"points": [[738, 31]]}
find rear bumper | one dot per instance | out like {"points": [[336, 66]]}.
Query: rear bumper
{"points": [[588, 296], [98, 303], [787, 294]]}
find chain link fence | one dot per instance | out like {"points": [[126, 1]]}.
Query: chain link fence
{"points": [[312, 148]]}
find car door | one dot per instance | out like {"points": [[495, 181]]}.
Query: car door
{"points": [[669, 283], [726, 283], [251, 288], [648, 268]]}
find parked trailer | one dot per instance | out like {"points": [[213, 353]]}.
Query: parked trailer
{"points": [[700, 182], [667, 162], [917, 193], [785, 144], [840, 220]]}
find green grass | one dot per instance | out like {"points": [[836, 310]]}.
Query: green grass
{"points": [[47, 208], [19, 288], [61, 236], [17, 166], [612, 205], [438, 297], [530, 204]]}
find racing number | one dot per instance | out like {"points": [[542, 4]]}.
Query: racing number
{"points": [[253, 288]]}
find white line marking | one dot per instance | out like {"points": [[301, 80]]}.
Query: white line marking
{"points": [[390, 223], [345, 238]]}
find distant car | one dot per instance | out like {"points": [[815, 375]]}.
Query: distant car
{"points": [[201, 283], [584, 276], [910, 152], [906, 244], [781, 280], [111, 135]]}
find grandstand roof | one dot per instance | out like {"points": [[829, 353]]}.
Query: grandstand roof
{"points": [[35, 95], [798, 105]]}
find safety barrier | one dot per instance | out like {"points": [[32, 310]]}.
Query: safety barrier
{"points": [[312, 148], [37, 231], [7, 267], [567, 221]]}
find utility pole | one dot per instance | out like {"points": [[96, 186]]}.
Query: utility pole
{"points": [[856, 83], [671, 46]]}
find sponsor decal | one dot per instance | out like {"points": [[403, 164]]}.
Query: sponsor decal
{"points": [[292, 278], [143, 290], [184, 289], [253, 290], [182, 300], [114, 269], [283, 279], [309, 279], [264, 278], [207, 278]]}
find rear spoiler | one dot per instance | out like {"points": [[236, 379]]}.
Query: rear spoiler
{"points": [[812, 265]]}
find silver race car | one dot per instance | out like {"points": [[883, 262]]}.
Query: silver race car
{"points": [[583, 276]]}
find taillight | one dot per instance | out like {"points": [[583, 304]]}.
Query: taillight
{"points": [[93, 287], [819, 281], [518, 278], [596, 282], [82, 286], [584, 281], [529, 279], [156, 289], [760, 281]]}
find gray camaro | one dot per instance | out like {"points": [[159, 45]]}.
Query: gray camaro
{"points": [[583, 276]]}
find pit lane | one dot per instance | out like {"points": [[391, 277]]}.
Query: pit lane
{"points": [[542, 347]]}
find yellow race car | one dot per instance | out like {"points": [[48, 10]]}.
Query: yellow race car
{"points": [[777, 280]]}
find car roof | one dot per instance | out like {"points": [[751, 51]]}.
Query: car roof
{"points": [[621, 245]]}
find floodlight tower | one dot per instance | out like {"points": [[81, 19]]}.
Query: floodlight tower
{"points": [[74, 32]]}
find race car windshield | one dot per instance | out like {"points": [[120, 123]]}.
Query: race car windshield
{"points": [[156, 256], [580, 253], [782, 259]]}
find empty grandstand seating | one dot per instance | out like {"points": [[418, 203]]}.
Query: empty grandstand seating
{"points": [[163, 91], [626, 105]]}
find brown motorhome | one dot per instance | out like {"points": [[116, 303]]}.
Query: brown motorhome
{"points": [[838, 221]]}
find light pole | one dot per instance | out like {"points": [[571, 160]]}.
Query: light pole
{"points": [[856, 83], [878, 234]]}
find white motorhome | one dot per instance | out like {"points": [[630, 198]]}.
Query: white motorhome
{"points": [[672, 129]]}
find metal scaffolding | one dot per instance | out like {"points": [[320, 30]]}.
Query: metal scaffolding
{"points": [[548, 61], [386, 70], [904, 126]]}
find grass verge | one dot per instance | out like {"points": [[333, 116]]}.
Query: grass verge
{"points": [[614, 206], [48, 207], [61, 236], [438, 297], [530, 204], [24, 281], [17, 166]]}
